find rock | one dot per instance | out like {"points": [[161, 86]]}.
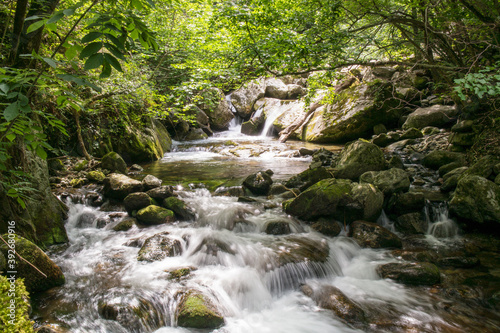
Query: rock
{"points": [[449, 167], [96, 176], [196, 311], [244, 98], [150, 182], [80, 165], [51, 329], [179, 207], [232, 191], [136, 167], [153, 215], [196, 134], [483, 166], [33, 279], [331, 298], [277, 189], [295, 91], [430, 130], [463, 126], [159, 247], [463, 139], [411, 133], [118, 186], [396, 162], [136, 201], [294, 249], [77, 182], [125, 224], [476, 201], [412, 224], [306, 152], [275, 88], [438, 158], [323, 156], [327, 227], [388, 181], [217, 109], [277, 227], [85, 219], [337, 198], [402, 203], [379, 129], [160, 193], [424, 273], [382, 140], [357, 158], [368, 234], [113, 162], [307, 178], [258, 183], [180, 273], [252, 127], [459, 262], [436, 115]]}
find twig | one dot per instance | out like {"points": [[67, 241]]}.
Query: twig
{"points": [[17, 254]]}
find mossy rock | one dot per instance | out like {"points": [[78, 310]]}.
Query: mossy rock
{"points": [[357, 158], [179, 207], [96, 176], [438, 158], [80, 165], [158, 247], [327, 227], [33, 279], [118, 186], [424, 273], [136, 201], [77, 182], [197, 311], [153, 215], [125, 224], [388, 181], [372, 235], [484, 167], [307, 178], [258, 183], [113, 162], [178, 274], [277, 227]]}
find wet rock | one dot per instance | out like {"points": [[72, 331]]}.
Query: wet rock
{"points": [[306, 152], [396, 162], [332, 298], [423, 273], [411, 224], [252, 126], [218, 111], [459, 262], [195, 134], [33, 279], [296, 249], [277, 189], [160, 193], [337, 198], [483, 166], [96, 176], [438, 158], [118, 186], [476, 201], [411, 133], [179, 207], [153, 215], [136, 201], [232, 191], [51, 329], [125, 224], [86, 220], [449, 167], [327, 227], [150, 182], [401, 203], [178, 274], [258, 183], [323, 156], [388, 181], [212, 246], [277, 227], [195, 310], [244, 98], [113, 162], [159, 247], [450, 179], [307, 178], [436, 115], [368, 234], [463, 139], [136, 168], [357, 158]]}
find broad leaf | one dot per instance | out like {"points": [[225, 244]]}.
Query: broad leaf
{"points": [[91, 36], [35, 26], [11, 111], [106, 70], [113, 62], [90, 50], [50, 62], [41, 152], [56, 17], [94, 61]]}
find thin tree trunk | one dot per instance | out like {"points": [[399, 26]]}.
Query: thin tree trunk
{"points": [[81, 144], [17, 29]]}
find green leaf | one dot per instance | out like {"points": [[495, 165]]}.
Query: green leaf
{"points": [[4, 87], [115, 41], [21, 202], [11, 137], [31, 18], [93, 35], [23, 100], [90, 50], [41, 152], [70, 11], [113, 62], [35, 26], [94, 61], [50, 62], [71, 52], [56, 17], [11, 111], [106, 70], [115, 51]]}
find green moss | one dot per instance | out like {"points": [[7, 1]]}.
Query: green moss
{"points": [[195, 311], [95, 176], [20, 322], [153, 215], [80, 165], [77, 182]]}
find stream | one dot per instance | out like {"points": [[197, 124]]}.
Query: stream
{"points": [[253, 278]]}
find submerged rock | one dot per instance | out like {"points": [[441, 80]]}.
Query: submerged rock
{"points": [[159, 247], [195, 310], [424, 273], [374, 236], [153, 215], [118, 186], [357, 158], [277, 227]]}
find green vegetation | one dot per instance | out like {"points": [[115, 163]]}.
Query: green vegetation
{"points": [[14, 318]]}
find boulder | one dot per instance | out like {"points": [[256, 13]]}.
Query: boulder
{"points": [[258, 183], [340, 199], [195, 134], [252, 126], [484, 166], [296, 91], [277, 227], [294, 249], [463, 126], [379, 129], [160, 193], [463, 139], [412, 224], [307, 178], [357, 158], [476, 201], [195, 310], [159, 247], [118, 186], [438, 158], [411, 133], [436, 115], [150, 182], [179, 207], [284, 112], [450, 179], [95, 176], [125, 224], [275, 88], [217, 109], [34, 280], [372, 235], [113, 162], [402, 203], [424, 273], [153, 215], [244, 98], [327, 227], [136, 201], [449, 167], [388, 181], [232, 191]]}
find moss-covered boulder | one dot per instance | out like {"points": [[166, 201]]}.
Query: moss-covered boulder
{"points": [[340, 199], [150, 182], [118, 186], [195, 310], [358, 157], [476, 201], [96, 176], [114, 162], [372, 235], [158, 247], [484, 167], [438, 158], [80, 165], [258, 183], [436, 115], [160, 193], [125, 224], [327, 227], [217, 108], [195, 134], [424, 273], [33, 279], [412, 224], [153, 215], [179, 207], [402, 203], [136, 201], [307, 178], [253, 126], [388, 181]]}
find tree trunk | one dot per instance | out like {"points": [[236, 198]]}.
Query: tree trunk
{"points": [[81, 144], [17, 29]]}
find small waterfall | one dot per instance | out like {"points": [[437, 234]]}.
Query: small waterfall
{"points": [[440, 224], [271, 115]]}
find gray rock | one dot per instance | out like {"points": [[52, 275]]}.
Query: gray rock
{"points": [[244, 98], [372, 235], [357, 158], [160, 193], [118, 186], [436, 115], [158, 247], [423, 273], [113, 162], [150, 182], [275, 88], [388, 181], [411, 224]]}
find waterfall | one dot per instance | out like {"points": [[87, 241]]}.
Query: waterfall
{"points": [[440, 224]]}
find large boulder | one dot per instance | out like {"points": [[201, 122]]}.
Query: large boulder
{"points": [[402, 203], [424, 273], [372, 235], [217, 109], [158, 247], [258, 183], [160, 193], [436, 115], [284, 113], [136, 201], [476, 201], [195, 310], [307, 178], [439, 158], [275, 88], [340, 199], [484, 167], [244, 98], [150, 182], [118, 186], [357, 158], [114, 162], [179, 207], [388, 181], [46, 274], [153, 215], [412, 224]]}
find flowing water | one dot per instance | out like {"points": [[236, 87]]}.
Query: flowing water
{"points": [[253, 278]]}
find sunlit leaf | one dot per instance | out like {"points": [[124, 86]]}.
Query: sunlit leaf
{"points": [[94, 61], [35, 26]]}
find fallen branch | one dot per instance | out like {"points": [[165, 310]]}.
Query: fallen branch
{"points": [[20, 257]]}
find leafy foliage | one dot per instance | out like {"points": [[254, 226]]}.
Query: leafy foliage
{"points": [[21, 323]]}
